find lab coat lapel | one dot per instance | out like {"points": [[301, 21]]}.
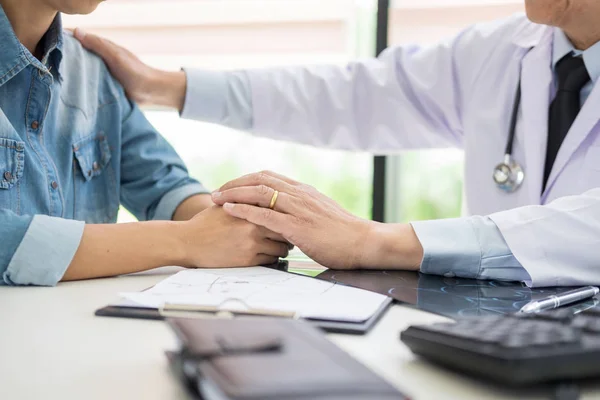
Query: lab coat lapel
{"points": [[585, 122], [536, 84]]}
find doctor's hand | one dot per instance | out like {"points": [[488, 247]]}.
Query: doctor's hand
{"points": [[143, 84], [214, 239], [320, 227]]}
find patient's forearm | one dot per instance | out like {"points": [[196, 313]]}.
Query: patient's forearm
{"points": [[108, 250], [192, 206], [116, 249]]}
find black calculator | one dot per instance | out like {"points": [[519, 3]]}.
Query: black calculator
{"points": [[516, 349]]}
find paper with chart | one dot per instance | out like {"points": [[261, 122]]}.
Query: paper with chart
{"points": [[262, 288]]}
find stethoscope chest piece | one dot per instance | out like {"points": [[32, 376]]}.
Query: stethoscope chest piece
{"points": [[509, 175]]}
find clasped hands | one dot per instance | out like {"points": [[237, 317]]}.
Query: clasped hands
{"points": [[317, 225]]}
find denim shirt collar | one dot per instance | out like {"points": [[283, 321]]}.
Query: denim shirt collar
{"points": [[14, 57], [591, 57], [53, 44]]}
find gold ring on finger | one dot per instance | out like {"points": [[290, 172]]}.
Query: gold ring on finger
{"points": [[273, 200]]}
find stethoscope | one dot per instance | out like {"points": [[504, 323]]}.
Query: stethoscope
{"points": [[509, 175]]}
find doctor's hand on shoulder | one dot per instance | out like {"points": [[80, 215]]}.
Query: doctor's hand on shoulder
{"points": [[142, 83], [319, 226]]}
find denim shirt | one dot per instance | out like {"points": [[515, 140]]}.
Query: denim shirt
{"points": [[72, 149]]}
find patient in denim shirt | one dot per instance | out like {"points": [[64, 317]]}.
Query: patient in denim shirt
{"points": [[72, 148]]}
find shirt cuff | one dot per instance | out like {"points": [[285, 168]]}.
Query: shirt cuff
{"points": [[450, 247], [470, 248], [45, 252], [206, 95], [170, 201]]}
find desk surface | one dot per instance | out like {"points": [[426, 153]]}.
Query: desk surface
{"points": [[53, 347]]}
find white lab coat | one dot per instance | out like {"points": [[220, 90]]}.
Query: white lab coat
{"points": [[460, 93]]}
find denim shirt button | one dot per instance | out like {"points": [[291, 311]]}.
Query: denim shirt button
{"points": [[95, 166], [7, 176], [35, 125], [54, 185], [90, 173]]}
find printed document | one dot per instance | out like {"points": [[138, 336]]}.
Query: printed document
{"points": [[261, 288]]}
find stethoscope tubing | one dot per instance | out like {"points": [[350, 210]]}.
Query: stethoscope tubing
{"points": [[513, 121]]}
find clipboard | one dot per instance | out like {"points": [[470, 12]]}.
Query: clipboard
{"points": [[356, 328], [352, 328]]}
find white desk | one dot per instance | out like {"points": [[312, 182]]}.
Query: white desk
{"points": [[53, 347]]}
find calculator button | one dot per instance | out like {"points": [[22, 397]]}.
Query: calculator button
{"points": [[562, 315], [595, 312], [592, 325], [579, 322], [569, 336], [523, 328], [542, 338], [586, 323], [515, 342], [493, 337], [490, 339]]}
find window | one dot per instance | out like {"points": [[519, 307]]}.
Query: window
{"points": [[231, 34], [427, 184]]}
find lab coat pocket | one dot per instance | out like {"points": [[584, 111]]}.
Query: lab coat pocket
{"points": [[96, 196], [12, 164]]}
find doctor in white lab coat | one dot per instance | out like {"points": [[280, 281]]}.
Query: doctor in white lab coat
{"points": [[458, 93]]}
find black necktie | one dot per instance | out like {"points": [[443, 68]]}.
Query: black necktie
{"points": [[572, 77]]}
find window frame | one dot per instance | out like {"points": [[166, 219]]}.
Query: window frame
{"points": [[380, 164]]}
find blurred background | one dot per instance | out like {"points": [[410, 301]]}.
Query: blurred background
{"points": [[232, 34]]}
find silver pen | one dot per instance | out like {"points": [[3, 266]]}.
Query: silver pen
{"points": [[558, 300]]}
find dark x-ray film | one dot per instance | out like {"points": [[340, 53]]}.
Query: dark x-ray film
{"points": [[451, 297]]}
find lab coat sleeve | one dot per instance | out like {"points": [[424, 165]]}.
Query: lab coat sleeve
{"points": [[218, 97], [468, 248], [409, 97], [556, 243]]}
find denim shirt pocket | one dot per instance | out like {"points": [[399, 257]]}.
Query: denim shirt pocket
{"points": [[12, 164], [96, 196]]}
